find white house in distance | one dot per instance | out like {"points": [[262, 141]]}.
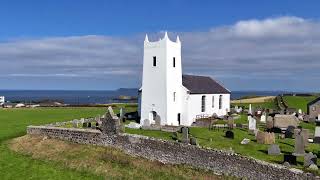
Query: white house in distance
{"points": [[170, 97], [2, 100]]}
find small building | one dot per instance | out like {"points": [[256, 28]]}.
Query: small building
{"points": [[313, 108], [2, 100], [20, 105], [168, 97]]}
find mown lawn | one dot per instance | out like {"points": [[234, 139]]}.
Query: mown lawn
{"points": [[298, 102]]}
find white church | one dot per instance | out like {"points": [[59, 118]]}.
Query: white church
{"points": [[170, 97]]}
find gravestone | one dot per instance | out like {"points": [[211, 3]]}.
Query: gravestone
{"points": [[82, 120], [75, 123], [175, 136], [299, 145], [291, 159], [263, 118], [300, 111], [269, 123], [284, 121], [305, 135], [229, 134], [193, 141], [185, 134], [239, 125], [250, 109], [89, 124], [252, 123], [289, 132], [306, 118], [230, 123], [274, 149], [157, 122], [110, 123], [121, 114], [316, 138], [146, 123], [309, 159], [265, 137]]}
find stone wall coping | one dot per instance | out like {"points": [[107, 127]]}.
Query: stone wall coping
{"points": [[66, 129]]}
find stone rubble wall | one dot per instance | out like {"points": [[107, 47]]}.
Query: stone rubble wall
{"points": [[220, 162]]}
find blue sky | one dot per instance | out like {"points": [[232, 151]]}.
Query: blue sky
{"points": [[246, 45]]}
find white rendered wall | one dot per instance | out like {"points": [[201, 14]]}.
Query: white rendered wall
{"points": [[2, 100], [194, 106], [159, 82]]}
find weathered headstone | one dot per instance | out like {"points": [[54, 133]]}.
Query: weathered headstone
{"points": [[291, 159], [309, 159], [300, 111], [230, 123], [250, 109], [185, 134], [110, 123], [263, 118], [265, 137], [146, 123], [289, 132], [283, 121], [175, 136], [252, 123], [305, 135], [269, 123], [121, 114], [229, 134], [299, 145], [316, 138], [193, 141], [274, 149]]}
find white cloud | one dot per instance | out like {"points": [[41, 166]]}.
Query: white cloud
{"points": [[250, 51]]}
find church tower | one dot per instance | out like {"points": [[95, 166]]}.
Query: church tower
{"points": [[161, 82]]}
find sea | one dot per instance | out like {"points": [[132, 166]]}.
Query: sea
{"points": [[77, 97]]}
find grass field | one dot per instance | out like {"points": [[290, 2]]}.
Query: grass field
{"points": [[34, 158], [298, 102], [268, 104]]}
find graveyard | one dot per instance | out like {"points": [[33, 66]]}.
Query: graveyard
{"points": [[247, 131]]}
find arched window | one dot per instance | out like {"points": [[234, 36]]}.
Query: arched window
{"points": [[212, 101], [203, 103], [220, 102]]}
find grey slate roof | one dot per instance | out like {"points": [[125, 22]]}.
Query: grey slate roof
{"points": [[202, 85]]}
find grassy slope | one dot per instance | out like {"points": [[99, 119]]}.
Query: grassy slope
{"points": [[13, 123], [298, 102], [267, 104]]}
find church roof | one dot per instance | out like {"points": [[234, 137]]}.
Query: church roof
{"points": [[202, 85]]}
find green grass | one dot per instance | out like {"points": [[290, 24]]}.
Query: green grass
{"points": [[216, 139], [298, 102], [267, 104], [13, 123]]}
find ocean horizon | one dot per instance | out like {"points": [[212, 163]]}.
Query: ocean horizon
{"points": [[98, 96]]}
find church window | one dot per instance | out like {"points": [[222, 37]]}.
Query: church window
{"points": [[154, 61], [174, 62], [220, 102], [174, 96], [203, 103], [212, 101]]}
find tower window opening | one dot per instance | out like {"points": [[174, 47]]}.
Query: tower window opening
{"points": [[174, 62], [154, 61]]}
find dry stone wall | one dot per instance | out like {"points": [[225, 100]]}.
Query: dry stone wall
{"points": [[175, 153]]}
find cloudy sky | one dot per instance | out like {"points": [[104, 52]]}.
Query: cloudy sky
{"points": [[94, 46]]}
